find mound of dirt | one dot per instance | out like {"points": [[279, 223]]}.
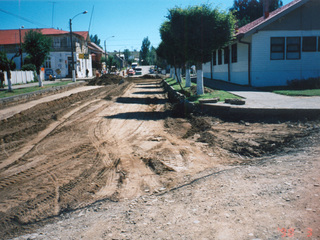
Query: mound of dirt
{"points": [[106, 79], [193, 90]]}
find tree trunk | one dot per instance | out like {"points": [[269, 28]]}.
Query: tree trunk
{"points": [[188, 77], [40, 79], [9, 78], [200, 87], [179, 75]]}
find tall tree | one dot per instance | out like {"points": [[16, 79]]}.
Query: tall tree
{"points": [[249, 10], [144, 52], [38, 47], [95, 39], [127, 56]]}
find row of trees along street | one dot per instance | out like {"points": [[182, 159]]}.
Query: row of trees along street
{"points": [[190, 35]]}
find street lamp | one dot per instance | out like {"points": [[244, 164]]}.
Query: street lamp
{"points": [[20, 50], [105, 50], [72, 57]]}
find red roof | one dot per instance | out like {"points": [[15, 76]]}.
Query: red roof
{"points": [[83, 34], [260, 21], [8, 37]]}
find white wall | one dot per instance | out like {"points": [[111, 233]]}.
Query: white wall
{"points": [[266, 72], [19, 77], [238, 70]]}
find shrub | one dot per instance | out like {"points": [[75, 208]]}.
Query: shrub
{"points": [[299, 84], [28, 67]]}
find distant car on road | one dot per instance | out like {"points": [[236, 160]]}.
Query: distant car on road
{"points": [[131, 72], [49, 75], [138, 70]]}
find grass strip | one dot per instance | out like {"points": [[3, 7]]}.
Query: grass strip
{"points": [[20, 91], [306, 93], [195, 98]]}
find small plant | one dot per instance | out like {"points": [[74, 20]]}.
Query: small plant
{"points": [[300, 84]]}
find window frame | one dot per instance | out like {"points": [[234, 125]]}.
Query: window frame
{"points": [[219, 57], [282, 45], [289, 51], [234, 53]]}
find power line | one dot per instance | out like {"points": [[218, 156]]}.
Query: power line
{"points": [[23, 18]]}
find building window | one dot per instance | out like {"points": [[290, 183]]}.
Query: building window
{"points": [[277, 48], [293, 47], [219, 57], [48, 63], [309, 44], [56, 42], [226, 55], [234, 53], [214, 58]]}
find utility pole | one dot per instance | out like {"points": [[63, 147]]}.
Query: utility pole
{"points": [[20, 50]]}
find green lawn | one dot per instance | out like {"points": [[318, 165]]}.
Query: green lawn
{"points": [[195, 98], [20, 91], [308, 92]]}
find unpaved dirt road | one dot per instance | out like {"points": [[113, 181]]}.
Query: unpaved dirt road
{"points": [[112, 163]]}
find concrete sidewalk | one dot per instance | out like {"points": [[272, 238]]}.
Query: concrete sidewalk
{"points": [[264, 100]]}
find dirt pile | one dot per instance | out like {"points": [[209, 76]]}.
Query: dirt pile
{"points": [[105, 79]]}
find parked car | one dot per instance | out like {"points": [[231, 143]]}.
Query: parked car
{"points": [[131, 72], [138, 71], [49, 74]]}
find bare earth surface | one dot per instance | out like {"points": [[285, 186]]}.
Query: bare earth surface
{"points": [[116, 162]]}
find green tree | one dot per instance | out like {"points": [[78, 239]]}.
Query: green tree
{"points": [[144, 52], [95, 39], [8, 65], [127, 56], [194, 33], [38, 47], [152, 58], [247, 11]]}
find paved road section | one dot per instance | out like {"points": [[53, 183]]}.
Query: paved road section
{"points": [[9, 112]]}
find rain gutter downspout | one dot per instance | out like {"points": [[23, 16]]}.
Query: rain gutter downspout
{"points": [[249, 57]]}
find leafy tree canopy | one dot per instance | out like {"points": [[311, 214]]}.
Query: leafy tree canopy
{"points": [[37, 46], [196, 31], [247, 11]]}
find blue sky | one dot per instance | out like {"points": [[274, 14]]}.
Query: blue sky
{"points": [[129, 21]]}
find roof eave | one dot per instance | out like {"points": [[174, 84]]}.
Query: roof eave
{"points": [[271, 20]]}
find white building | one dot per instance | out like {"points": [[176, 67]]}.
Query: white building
{"points": [[282, 45], [59, 59]]}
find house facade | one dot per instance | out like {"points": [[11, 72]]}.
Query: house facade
{"points": [[59, 59], [282, 45]]}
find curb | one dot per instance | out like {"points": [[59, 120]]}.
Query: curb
{"points": [[22, 98]]}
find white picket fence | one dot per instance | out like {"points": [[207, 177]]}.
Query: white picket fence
{"points": [[19, 77]]}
